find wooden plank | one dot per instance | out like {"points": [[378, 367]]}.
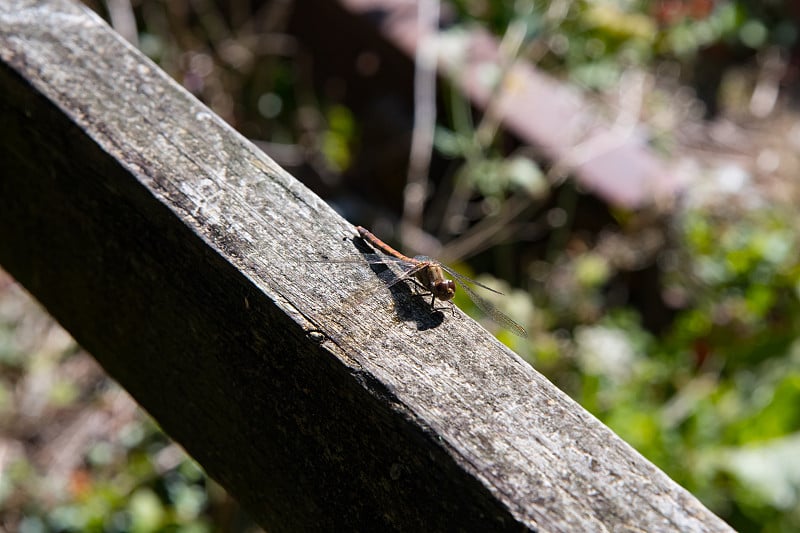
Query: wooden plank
{"points": [[175, 252], [613, 162]]}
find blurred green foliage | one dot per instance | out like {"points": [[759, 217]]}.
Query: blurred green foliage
{"points": [[339, 137], [594, 42], [77, 456], [714, 399]]}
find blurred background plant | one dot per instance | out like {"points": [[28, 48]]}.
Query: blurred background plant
{"points": [[676, 323]]}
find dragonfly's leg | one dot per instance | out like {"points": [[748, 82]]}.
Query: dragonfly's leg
{"points": [[419, 286], [422, 290], [435, 309]]}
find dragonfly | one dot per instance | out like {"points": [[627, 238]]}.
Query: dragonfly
{"points": [[429, 275]]}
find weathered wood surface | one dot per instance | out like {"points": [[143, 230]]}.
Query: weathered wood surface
{"points": [[173, 250]]}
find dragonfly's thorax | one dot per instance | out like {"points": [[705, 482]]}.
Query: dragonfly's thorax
{"points": [[432, 278]]}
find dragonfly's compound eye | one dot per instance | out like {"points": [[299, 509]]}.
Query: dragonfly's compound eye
{"points": [[445, 289]]}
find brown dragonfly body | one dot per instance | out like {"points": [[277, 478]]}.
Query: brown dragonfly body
{"points": [[430, 276]]}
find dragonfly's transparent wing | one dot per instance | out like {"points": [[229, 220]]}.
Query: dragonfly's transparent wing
{"points": [[488, 308], [397, 270], [456, 275], [370, 259]]}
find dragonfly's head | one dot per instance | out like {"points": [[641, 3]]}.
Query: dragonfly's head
{"points": [[444, 289]]}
